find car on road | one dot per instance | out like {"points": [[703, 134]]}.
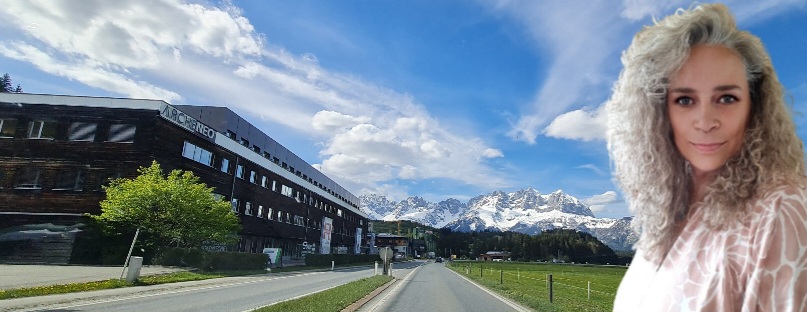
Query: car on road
{"points": [[438, 259]]}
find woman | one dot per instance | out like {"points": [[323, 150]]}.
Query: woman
{"points": [[707, 155]]}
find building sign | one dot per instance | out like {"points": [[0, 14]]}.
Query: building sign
{"points": [[178, 117], [357, 248], [325, 240]]}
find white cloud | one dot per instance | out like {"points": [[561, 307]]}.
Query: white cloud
{"points": [[578, 125], [492, 153], [594, 168], [608, 197], [579, 37], [212, 55]]}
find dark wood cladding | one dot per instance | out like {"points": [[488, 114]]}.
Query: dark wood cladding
{"points": [[154, 139]]}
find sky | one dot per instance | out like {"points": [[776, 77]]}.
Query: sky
{"points": [[437, 99]]}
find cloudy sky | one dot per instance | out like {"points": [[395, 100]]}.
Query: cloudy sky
{"points": [[437, 99]]}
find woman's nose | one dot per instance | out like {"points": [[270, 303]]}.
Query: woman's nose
{"points": [[706, 118]]}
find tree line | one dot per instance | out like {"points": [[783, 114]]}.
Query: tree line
{"points": [[7, 86], [553, 245]]}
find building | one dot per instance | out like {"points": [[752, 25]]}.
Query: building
{"points": [[57, 151], [495, 256], [399, 243]]}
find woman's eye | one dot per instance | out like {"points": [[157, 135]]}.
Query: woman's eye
{"points": [[684, 101], [727, 99]]}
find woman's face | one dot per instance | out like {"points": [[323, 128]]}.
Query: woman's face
{"points": [[709, 104]]}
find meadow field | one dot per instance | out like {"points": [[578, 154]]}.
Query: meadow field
{"points": [[575, 287]]}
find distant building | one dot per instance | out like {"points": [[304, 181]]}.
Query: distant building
{"points": [[57, 151], [495, 256], [399, 243]]}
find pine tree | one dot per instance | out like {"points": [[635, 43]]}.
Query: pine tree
{"points": [[6, 87], [18, 89]]}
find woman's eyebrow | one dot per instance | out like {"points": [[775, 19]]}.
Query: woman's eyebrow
{"points": [[687, 90]]}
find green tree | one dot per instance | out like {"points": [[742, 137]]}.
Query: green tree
{"points": [[175, 210], [6, 84]]}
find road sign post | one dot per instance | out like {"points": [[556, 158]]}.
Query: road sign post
{"points": [[386, 255]]}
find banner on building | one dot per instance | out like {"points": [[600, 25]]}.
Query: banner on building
{"points": [[357, 248], [325, 239]]}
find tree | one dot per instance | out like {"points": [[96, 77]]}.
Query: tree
{"points": [[18, 89], [175, 209], [7, 86]]}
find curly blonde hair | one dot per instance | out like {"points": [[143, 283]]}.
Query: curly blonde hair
{"points": [[655, 178]]}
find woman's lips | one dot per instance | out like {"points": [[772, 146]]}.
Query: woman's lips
{"points": [[707, 148]]}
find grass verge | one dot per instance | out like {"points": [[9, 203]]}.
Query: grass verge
{"points": [[117, 283], [334, 299]]}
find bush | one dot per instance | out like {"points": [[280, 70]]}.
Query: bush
{"points": [[325, 260], [209, 261]]}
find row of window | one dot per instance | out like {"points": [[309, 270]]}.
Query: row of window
{"points": [[76, 131], [265, 154], [259, 211], [203, 156], [32, 178]]}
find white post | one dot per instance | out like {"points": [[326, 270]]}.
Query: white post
{"points": [[589, 290], [126, 263], [390, 269], [375, 272], [332, 265]]}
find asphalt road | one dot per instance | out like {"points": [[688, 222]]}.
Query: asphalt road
{"points": [[433, 287], [229, 294]]}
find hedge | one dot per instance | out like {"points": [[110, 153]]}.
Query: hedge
{"points": [[325, 259], [210, 261]]}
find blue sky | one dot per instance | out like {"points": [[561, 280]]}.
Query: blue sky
{"points": [[437, 99]]}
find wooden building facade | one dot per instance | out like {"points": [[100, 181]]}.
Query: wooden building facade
{"points": [[57, 151]]}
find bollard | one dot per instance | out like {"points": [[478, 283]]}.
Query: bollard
{"points": [[332, 265], [375, 272], [480, 271], [390, 268], [501, 277], [550, 288], [134, 269], [589, 290]]}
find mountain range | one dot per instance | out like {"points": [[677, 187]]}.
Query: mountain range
{"points": [[526, 211]]}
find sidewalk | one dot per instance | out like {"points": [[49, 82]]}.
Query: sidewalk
{"points": [[21, 275]]}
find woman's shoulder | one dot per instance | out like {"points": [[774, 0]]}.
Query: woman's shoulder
{"points": [[785, 199]]}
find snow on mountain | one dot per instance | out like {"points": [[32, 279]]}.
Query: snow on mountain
{"points": [[526, 211]]}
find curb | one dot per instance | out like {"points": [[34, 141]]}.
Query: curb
{"points": [[358, 304]]}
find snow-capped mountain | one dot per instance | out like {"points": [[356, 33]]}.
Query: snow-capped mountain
{"points": [[526, 211]]}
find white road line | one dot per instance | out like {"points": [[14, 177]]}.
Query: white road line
{"points": [[507, 301], [395, 290]]}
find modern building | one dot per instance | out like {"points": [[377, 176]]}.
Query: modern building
{"points": [[57, 151], [397, 242]]}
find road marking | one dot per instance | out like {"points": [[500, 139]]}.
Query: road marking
{"points": [[507, 301], [96, 300], [405, 280]]}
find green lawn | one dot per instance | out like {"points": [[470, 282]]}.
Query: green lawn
{"points": [[527, 283]]}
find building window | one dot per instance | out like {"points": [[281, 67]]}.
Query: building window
{"points": [[28, 178], [234, 203], [82, 131], [244, 142], [256, 149], [106, 179], [8, 127], [248, 209], [274, 186], [41, 129], [269, 214], [70, 180], [225, 165], [285, 190], [266, 155], [198, 154], [230, 134], [239, 171], [263, 181], [122, 133], [253, 176], [280, 216], [260, 212]]}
